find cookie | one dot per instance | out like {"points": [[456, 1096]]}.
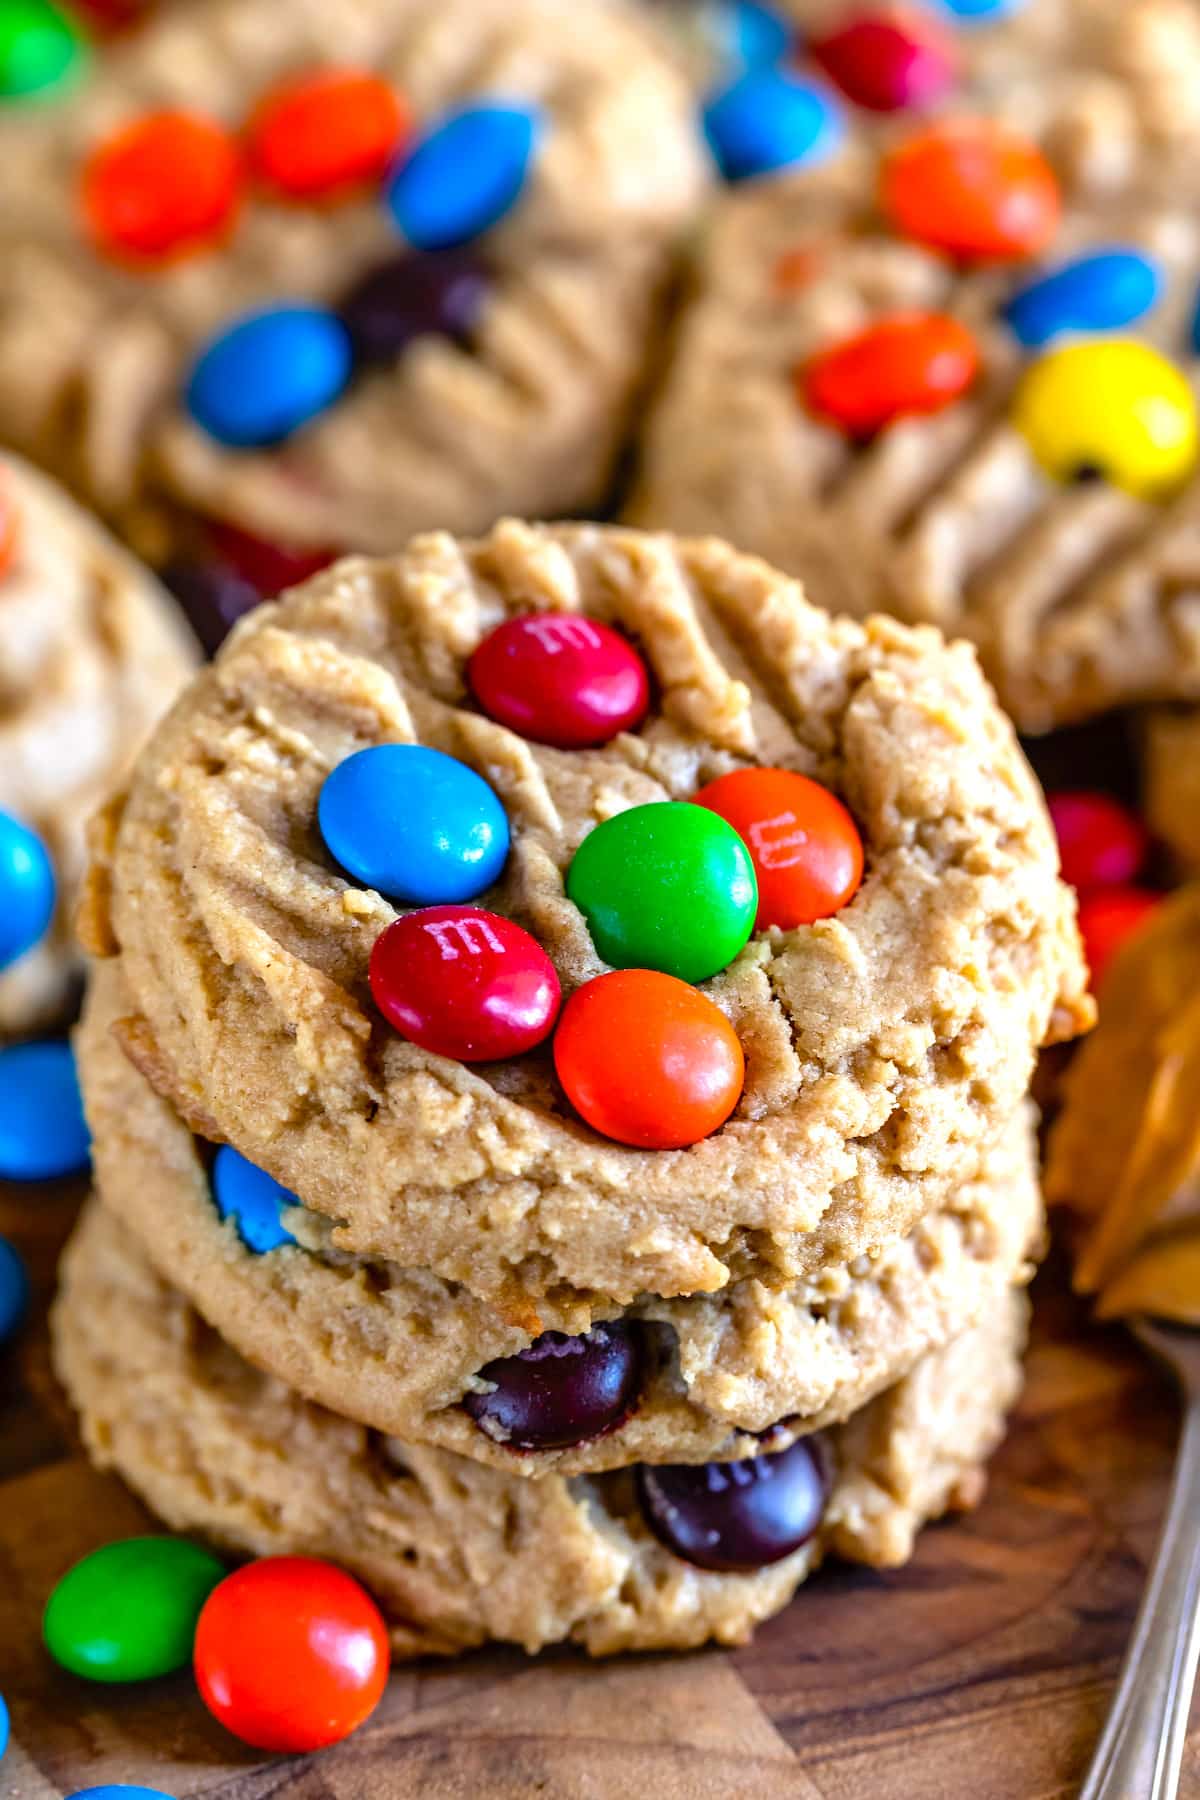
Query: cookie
{"points": [[968, 425], [455, 1553], [1172, 783], [402, 1351], [885, 1045], [223, 165], [92, 651]]}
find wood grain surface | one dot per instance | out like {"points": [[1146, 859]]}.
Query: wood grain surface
{"points": [[980, 1672]]}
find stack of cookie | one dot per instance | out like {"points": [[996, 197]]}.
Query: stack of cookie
{"points": [[557, 1060]]}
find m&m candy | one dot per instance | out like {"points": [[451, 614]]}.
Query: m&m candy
{"points": [[268, 567], [770, 119], [166, 183], [128, 1611], [668, 886], [321, 134], [736, 1516], [291, 1654], [27, 889], [1100, 842], [1098, 292], [213, 597], [910, 363], [1107, 918], [751, 36], [14, 1290], [10, 531], [40, 48], [43, 1133], [561, 1390], [647, 1060], [463, 176], [1115, 408], [119, 1790], [806, 849], [560, 679], [971, 12], [973, 189], [3, 1726], [254, 1200], [268, 374], [465, 983], [887, 60], [417, 825], [433, 293]]}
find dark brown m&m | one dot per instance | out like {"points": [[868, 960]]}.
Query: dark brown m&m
{"points": [[561, 1390], [736, 1516], [560, 679]]}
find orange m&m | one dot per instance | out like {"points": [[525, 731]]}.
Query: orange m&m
{"points": [[806, 849], [165, 184], [972, 188], [9, 530], [910, 363], [648, 1060], [326, 132]]}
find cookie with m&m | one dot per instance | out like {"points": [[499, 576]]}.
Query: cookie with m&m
{"points": [[354, 278]]}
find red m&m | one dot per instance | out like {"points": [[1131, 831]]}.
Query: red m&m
{"points": [[465, 983], [886, 61], [1100, 842], [806, 849], [1107, 918], [326, 132], [911, 363], [560, 679], [648, 1060], [269, 568], [291, 1654], [972, 188], [165, 184]]}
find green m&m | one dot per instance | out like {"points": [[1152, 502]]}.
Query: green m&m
{"points": [[40, 48], [669, 886], [128, 1611]]}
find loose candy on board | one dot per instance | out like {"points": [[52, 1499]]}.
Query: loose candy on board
{"points": [[647, 1060], [734, 1517], [1108, 917], [806, 848], [321, 135], [561, 1390], [43, 1133], [128, 1612], [465, 983], [430, 293], [269, 373], [254, 1200], [1114, 407], [291, 1654], [667, 886], [27, 889], [14, 1290], [910, 363], [1100, 842], [419, 826], [561, 679], [464, 175], [1101, 291], [973, 189], [770, 119], [887, 61], [41, 49], [167, 183]]}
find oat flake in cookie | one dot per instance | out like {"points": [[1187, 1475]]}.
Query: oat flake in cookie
{"points": [[356, 271], [456, 1554], [884, 1047], [91, 653]]}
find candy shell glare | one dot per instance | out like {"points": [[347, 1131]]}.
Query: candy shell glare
{"points": [[43, 1133], [1114, 407], [254, 1200], [558, 678], [464, 176], [14, 1290], [27, 889], [415, 824], [269, 373], [128, 1611], [770, 119]]}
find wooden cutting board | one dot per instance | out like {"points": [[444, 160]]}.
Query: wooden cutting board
{"points": [[980, 1672]]}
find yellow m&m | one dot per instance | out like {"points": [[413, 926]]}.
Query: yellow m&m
{"points": [[1115, 408]]}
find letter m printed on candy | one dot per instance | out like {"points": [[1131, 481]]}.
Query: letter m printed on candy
{"points": [[462, 937]]}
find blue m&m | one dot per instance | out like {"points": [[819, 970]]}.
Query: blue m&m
{"points": [[254, 1200], [1098, 292], [419, 826], [462, 177], [751, 36], [26, 889], [268, 374], [43, 1132], [119, 1790], [771, 119], [991, 11], [3, 1726], [14, 1290]]}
